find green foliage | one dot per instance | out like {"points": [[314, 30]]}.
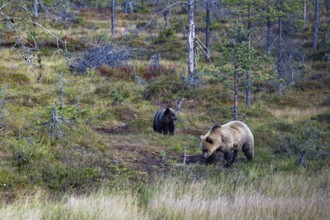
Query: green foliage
{"points": [[28, 151], [171, 46], [163, 88], [80, 20], [167, 35], [19, 78], [237, 55], [102, 38], [178, 24]]}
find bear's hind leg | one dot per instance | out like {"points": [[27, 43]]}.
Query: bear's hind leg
{"points": [[248, 152]]}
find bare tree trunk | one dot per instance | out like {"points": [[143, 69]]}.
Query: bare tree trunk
{"points": [[113, 18], [305, 12], [235, 95], [280, 58], [167, 14], [207, 32], [235, 110], [248, 74], [248, 88], [191, 40], [35, 8], [269, 26], [316, 23]]}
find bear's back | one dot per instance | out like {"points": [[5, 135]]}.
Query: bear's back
{"points": [[241, 128]]}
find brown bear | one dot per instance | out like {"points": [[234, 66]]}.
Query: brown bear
{"points": [[164, 121], [228, 138]]}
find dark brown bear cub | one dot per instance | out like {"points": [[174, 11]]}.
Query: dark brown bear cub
{"points": [[164, 121]]}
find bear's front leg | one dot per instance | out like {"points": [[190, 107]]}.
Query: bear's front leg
{"points": [[165, 130], [230, 157], [171, 128]]}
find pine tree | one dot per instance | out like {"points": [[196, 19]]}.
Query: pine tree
{"points": [[238, 59]]}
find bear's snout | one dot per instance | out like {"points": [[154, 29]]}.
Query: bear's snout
{"points": [[205, 155]]}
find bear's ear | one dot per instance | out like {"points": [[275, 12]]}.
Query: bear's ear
{"points": [[209, 140], [167, 110], [215, 127]]}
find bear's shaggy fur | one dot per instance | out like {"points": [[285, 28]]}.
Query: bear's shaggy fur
{"points": [[228, 138], [164, 121]]}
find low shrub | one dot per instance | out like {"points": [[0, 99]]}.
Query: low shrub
{"points": [[117, 72], [166, 35], [163, 88], [108, 54]]}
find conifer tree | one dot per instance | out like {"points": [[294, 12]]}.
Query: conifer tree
{"points": [[238, 59]]}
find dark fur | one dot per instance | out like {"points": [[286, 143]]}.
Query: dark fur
{"points": [[164, 121], [215, 127]]}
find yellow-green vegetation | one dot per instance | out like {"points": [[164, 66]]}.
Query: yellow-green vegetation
{"points": [[250, 193], [81, 145]]}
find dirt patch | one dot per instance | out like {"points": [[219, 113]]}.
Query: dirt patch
{"points": [[163, 104], [191, 132], [136, 157], [115, 129], [143, 159], [4, 157]]}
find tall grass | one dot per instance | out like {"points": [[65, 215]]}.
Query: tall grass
{"points": [[234, 195], [291, 114]]}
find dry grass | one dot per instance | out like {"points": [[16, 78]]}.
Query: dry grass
{"points": [[293, 114], [278, 196]]}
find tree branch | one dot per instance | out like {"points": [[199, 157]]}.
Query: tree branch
{"points": [[163, 10]]}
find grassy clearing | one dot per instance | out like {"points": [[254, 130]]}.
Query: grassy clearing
{"points": [[110, 164]]}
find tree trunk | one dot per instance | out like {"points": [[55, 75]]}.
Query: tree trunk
{"points": [[235, 95], [113, 18], [316, 23], [35, 8], [248, 89], [167, 14], [280, 58], [269, 26], [248, 74], [191, 40], [305, 12], [207, 31], [235, 110]]}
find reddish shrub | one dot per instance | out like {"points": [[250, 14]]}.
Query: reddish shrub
{"points": [[118, 72], [150, 72], [127, 72]]}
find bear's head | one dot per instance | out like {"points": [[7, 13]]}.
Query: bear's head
{"points": [[169, 115], [212, 141]]}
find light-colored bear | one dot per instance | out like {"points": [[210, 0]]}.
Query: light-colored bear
{"points": [[228, 138]]}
